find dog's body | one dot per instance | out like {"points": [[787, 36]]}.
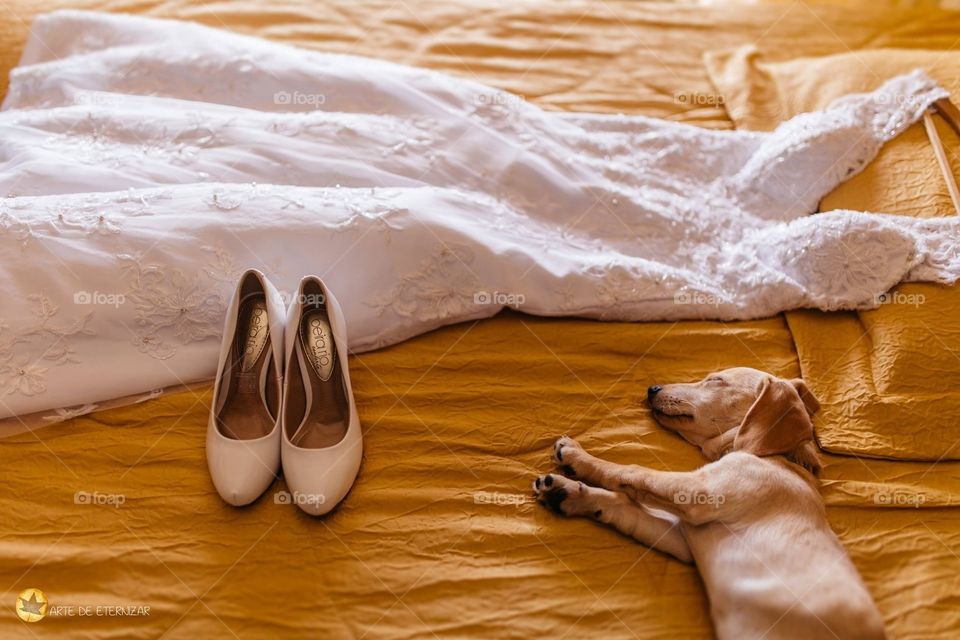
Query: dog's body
{"points": [[752, 521]]}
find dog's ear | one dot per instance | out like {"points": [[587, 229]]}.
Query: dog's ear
{"points": [[776, 423], [809, 400]]}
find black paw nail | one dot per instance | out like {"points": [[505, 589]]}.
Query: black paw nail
{"points": [[548, 480], [537, 483]]}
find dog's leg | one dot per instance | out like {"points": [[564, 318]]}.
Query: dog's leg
{"points": [[572, 498], [688, 494]]}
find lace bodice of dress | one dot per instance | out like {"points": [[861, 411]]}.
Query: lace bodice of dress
{"points": [[807, 156]]}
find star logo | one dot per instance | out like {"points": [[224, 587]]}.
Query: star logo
{"points": [[31, 605]]}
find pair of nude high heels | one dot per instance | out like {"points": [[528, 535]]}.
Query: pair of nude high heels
{"points": [[282, 397]]}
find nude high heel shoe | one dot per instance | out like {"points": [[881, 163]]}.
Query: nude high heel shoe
{"points": [[321, 444], [243, 434]]}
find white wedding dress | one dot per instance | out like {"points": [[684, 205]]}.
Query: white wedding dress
{"points": [[146, 163]]}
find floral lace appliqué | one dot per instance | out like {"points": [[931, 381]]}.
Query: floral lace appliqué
{"points": [[21, 372], [171, 303], [445, 286]]}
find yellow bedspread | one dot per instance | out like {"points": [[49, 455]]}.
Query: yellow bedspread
{"points": [[438, 537]]}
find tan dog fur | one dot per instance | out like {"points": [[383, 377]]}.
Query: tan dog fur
{"points": [[752, 520]]}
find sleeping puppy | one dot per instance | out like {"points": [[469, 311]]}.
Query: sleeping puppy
{"points": [[752, 520]]}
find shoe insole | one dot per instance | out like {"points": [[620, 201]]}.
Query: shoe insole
{"points": [[243, 415], [328, 413]]}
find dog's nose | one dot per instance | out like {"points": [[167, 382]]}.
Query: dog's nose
{"points": [[652, 391]]}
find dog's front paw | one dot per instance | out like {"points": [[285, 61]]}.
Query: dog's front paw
{"points": [[562, 495], [564, 446], [565, 451]]}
